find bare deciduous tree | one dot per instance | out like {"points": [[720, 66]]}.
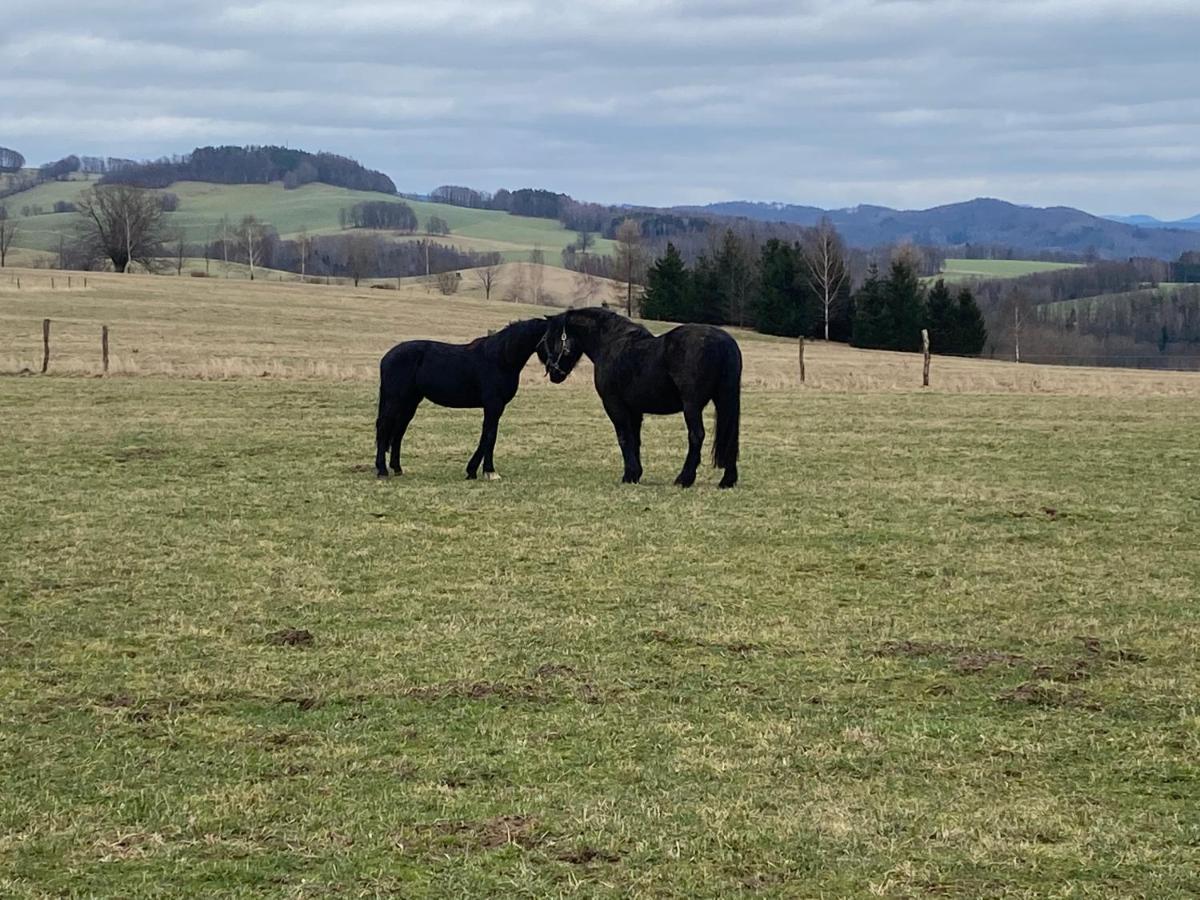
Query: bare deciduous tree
{"points": [[447, 282], [251, 234], [518, 285], [588, 289], [305, 243], [122, 224], [179, 250], [825, 260], [486, 276], [630, 259], [361, 256], [537, 274], [8, 231]]}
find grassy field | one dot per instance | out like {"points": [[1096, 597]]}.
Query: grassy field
{"points": [[935, 643], [969, 269], [313, 207]]}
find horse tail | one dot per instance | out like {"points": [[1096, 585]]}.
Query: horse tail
{"points": [[385, 420], [728, 399]]}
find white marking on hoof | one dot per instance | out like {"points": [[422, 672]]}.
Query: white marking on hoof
{"points": [[491, 476]]}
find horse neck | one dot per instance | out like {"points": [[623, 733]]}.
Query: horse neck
{"points": [[514, 344], [595, 334]]}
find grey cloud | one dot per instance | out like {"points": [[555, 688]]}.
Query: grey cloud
{"points": [[1090, 103]]}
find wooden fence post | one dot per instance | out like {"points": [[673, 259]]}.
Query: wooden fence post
{"points": [[45, 345], [104, 346], [51, 282], [801, 344], [68, 281], [925, 350]]}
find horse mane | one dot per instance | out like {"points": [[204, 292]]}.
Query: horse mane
{"points": [[509, 340], [602, 319]]}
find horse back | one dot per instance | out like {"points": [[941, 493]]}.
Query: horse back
{"points": [[698, 356], [447, 374]]}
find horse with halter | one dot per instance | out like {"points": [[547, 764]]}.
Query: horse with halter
{"points": [[637, 374]]}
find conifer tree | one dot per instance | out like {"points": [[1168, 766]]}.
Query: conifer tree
{"points": [[970, 330], [869, 311], [941, 319], [782, 306], [668, 289], [706, 301], [906, 307]]}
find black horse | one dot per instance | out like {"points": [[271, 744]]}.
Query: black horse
{"points": [[638, 373], [484, 373]]}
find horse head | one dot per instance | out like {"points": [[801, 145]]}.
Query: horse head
{"points": [[560, 348]]}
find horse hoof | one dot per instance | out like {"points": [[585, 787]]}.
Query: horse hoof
{"points": [[685, 482], [726, 485], [397, 472], [381, 475], [471, 476], [491, 476]]}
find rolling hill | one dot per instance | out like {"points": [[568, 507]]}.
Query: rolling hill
{"points": [[981, 221], [313, 207], [1143, 221]]}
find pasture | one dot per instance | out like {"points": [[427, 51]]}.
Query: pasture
{"points": [[313, 207], [935, 642], [970, 269]]}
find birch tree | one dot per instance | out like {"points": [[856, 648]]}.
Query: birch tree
{"points": [[825, 262]]}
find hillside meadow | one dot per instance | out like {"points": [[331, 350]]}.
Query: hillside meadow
{"points": [[976, 269], [936, 642], [313, 208]]}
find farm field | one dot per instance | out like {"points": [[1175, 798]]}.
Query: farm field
{"points": [[936, 642], [313, 207], [968, 269]]}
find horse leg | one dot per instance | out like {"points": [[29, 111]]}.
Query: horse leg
{"points": [[628, 427], [399, 427], [383, 436], [487, 443], [694, 417], [635, 433], [489, 446]]}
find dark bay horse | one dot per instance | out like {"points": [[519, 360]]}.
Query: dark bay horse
{"points": [[638, 374], [484, 373]]}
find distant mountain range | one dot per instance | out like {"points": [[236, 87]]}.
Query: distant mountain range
{"points": [[1192, 224], [983, 221]]}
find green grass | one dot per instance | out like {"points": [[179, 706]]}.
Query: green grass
{"points": [[313, 207], [556, 684], [968, 269]]}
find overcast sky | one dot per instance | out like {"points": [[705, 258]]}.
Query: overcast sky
{"points": [[908, 103]]}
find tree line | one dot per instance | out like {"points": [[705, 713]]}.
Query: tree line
{"points": [[253, 165], [805, 289], [1107, 313]]}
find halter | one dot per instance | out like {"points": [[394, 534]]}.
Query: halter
{"points": [[566, 345]]}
